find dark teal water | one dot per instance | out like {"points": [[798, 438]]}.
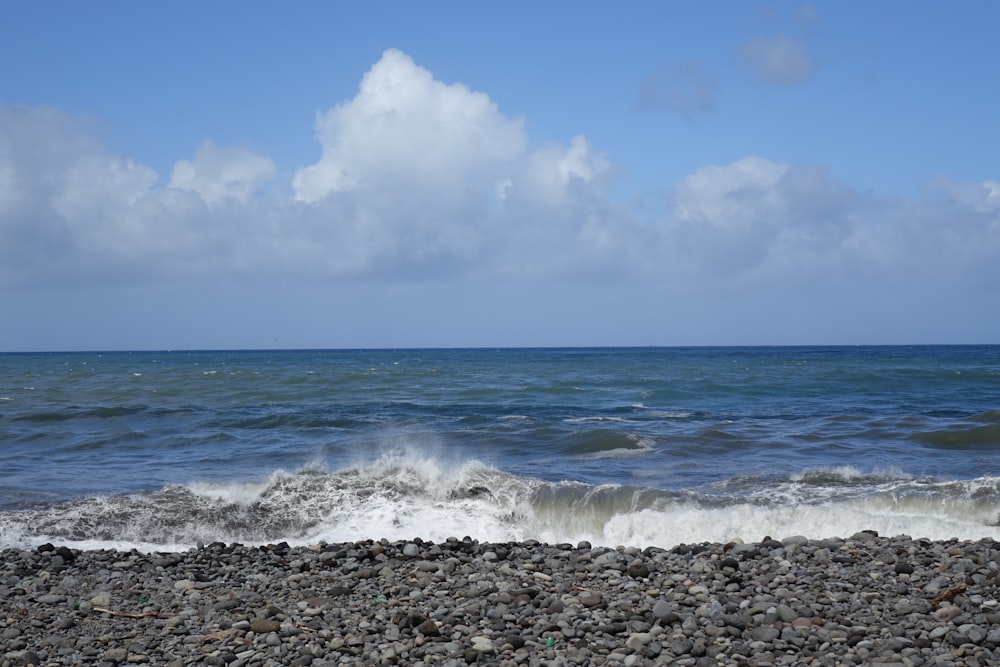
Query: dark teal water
{"points": [[168, 448]]}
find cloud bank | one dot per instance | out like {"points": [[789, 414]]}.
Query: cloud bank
{"points": [[421, 180]]}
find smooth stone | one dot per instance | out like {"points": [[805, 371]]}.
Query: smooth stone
{"points": [[482, 645], [637, 570], [264, 626], [681, 646], [661, 608], [115, 655], [765, 633], [428, 628], [636, 641], [947, 613], [51, 599]]}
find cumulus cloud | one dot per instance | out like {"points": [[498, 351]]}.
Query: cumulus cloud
{"points": [[426, 177], [757, 222], [746, 216], [417, 179], [780, 60], [405, 126], [983, 198], [72, 211], [218, 173], [686, 88], [424, 180], [61, 196]]}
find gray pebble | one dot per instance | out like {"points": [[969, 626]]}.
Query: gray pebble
{"points": [[861, 600]]}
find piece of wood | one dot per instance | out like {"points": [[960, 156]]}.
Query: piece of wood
{"points": [[948, 594], [145, 614]]}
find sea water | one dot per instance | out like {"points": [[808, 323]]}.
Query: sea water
{"points": [[635, 446]]}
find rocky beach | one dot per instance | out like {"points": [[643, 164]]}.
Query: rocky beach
{"points": [[864, 600]]}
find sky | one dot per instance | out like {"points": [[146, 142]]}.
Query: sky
{"points": [[225, 175]]}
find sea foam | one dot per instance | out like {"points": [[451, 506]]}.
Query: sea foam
{"points": [[403, 495]]}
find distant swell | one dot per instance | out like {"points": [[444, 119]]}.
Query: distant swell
{"points": [[600, 442], [977, 437]]}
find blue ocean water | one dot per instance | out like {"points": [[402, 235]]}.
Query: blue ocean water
{"points": [[642, 446]]}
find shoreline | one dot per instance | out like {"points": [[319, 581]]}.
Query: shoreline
{"points": [[859, 600]]}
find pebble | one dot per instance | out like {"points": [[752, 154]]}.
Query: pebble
{"points": [[861, 600]]}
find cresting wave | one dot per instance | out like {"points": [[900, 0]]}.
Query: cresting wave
{"points": [[404, 496]]}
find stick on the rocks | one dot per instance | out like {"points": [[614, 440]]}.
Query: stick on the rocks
{"points": [[948, 594], [145, 614]]}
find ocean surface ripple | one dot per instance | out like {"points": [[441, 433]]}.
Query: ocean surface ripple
{"points": [[639, 446]]}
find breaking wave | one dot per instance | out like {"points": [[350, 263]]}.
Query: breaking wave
{"points": [[405, 495]]}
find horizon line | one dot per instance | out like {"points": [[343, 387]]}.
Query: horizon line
{"points": [[184, 350]]}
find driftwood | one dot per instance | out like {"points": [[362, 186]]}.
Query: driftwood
{"points": [[948, 594], [125, 614]]}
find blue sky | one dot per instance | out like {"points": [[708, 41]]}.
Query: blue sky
{"points": [[421, 174]]}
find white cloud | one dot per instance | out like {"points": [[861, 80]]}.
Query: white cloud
{"points": [[778, 60], [982, 197], [418, 180], [756, 222], [732, 195], [406, 128], [725, 219], [36, 146], [219, 173], [547, 176], [425, 181], [554, 216], [99, 186], [72, 212]]}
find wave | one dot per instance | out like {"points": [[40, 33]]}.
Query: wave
{"points": [[986, 436], [603, 443], [848, 475], [405, 495], [109, 412]]}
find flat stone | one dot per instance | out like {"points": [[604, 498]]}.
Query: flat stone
{"points": [[264, 626], [765, 633], [51, 599], [482, 645], [681, 646]]}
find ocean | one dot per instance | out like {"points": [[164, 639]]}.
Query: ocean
{"points": [[161, 451]]}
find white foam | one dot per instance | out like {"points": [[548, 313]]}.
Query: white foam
{"points": [[747, 522], [843, 472], [596, 418], [408, 492], [670, 414], [850, 473], [244, 493], [642, 447]]}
